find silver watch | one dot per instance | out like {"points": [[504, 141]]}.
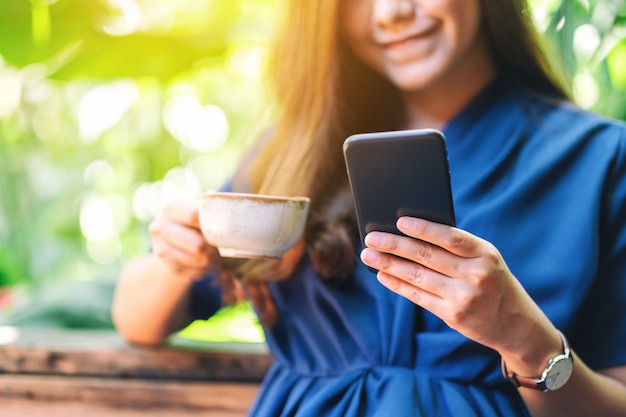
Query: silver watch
{"points": [[554, 376]]}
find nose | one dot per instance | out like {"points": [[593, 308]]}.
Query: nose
{"points": [[392, 14]]}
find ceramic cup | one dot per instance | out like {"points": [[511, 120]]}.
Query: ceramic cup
{"points": [[252, 225]]}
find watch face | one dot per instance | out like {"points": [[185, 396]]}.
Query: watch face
{"points": [[559, 372]]}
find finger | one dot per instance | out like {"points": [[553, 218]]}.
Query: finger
{"points": [[456, 241], [417, 251], [181, 260], [182, 212], [417, 295], [410, 272], [180, 236]]}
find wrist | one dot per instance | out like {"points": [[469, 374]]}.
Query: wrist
{"points": [[532, 351], [554, 375]]}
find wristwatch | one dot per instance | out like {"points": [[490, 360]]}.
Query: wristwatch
{"points": [[555, 376]]}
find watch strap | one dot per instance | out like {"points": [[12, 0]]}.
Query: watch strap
{"points": [[537, 383]]}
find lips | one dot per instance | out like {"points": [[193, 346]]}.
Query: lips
{"points": [[404, 38], [403, 41], [408, 46]]}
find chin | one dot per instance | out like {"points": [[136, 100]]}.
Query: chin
{"points": [[412, 84], [414, 78]]}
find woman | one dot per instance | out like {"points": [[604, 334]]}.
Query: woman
{"points": [[459, 321]]}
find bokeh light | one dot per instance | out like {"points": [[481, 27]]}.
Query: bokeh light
{"points": [[11, 88], [127, 21], [586, 42], [102, 107], [201, 128], [586, 90]]}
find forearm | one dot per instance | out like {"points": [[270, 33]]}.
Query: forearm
{"points": [[150, 301]]}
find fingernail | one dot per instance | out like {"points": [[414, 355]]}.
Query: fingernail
{"points": [[406, 223], [373, 239], [369, 256]]}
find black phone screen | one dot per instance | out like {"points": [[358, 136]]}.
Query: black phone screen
{"points": [[399, 173]]}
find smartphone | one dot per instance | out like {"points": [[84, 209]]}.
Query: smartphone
{"points": [[399, 173]]}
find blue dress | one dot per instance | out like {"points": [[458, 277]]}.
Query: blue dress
{"points": [[545, 182]]}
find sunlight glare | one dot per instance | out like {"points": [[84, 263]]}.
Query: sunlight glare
{"points": [[542, 11], [170, 16], [102, 106], [102, 218], [201, 128], [97, 220], [247, 62], [586, 90], [211, 171], [11, 88], [128, 21], [586, 42], [97, 171], [145, 202], [179, 184], [105, 251], [603, 15], [8, 335]]}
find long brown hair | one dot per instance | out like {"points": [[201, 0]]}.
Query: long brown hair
{"points": [[322, 93]]}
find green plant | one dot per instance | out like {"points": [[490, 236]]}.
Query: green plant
{"points": [[589, 38], [108, 109]]}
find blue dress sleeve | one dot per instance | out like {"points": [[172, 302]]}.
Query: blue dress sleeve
{"points": [[599, 332]]}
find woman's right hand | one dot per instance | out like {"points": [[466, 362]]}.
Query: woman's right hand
{"points": [[178, 242]]}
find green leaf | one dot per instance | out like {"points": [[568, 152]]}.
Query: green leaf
{"points": [[70, 38]]}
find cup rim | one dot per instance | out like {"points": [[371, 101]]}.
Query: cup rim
{"points": [[253, 196]]}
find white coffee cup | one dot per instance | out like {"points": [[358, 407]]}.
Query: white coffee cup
{"points": [[244, 225]]}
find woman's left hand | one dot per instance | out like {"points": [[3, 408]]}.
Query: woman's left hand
{"points": [[457, 276]]}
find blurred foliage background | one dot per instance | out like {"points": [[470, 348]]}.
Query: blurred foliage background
{"points": [[109, 108]]}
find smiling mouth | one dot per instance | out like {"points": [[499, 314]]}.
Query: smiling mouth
{"points": [[393, 43], [400, 43]]}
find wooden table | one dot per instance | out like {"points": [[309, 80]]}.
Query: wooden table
{"points": [[96, 374]]}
